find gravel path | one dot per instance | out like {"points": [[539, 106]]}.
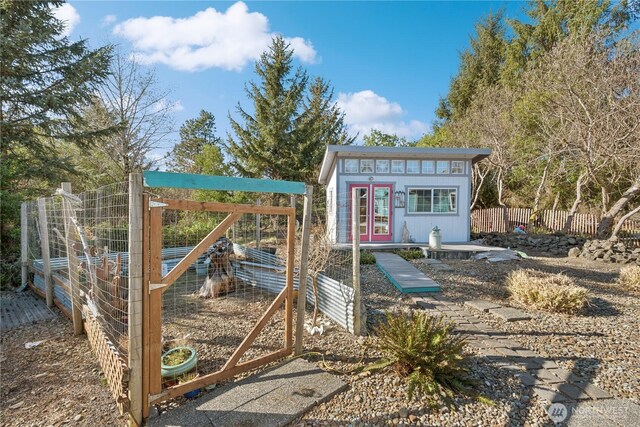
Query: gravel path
{"points": [[602, 344]]}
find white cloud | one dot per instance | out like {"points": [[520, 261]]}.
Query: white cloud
{"points": [[108, 20], [69, 15], [366, 110], [173, 107], [208, 39]]}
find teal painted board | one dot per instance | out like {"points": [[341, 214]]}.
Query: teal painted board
{"points": [[224, 183], [434, 288], [403, 275]]}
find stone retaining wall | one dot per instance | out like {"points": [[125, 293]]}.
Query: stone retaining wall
{"points": [[608, 251], [552, 244]]}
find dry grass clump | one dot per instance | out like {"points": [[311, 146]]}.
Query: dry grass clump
{"points": [[629, 278], [550, 292]]}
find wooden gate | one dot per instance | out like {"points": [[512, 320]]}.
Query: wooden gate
{"points": [[155, 283]]}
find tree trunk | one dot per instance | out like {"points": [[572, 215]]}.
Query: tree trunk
{"points": [[605, 199], [478, 180], [579, 183], [604, 228], [618, 226], [500, 185], [543, 180], [556, 201]]}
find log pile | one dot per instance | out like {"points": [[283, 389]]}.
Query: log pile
{"points": [[220, 278]]}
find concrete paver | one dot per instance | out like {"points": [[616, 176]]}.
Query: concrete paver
{"points": [[272, 398], [509, 314]]}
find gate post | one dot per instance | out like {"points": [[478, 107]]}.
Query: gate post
{"points": [[44, 240], [72, 261], [302, 276], [135, 299], [355, 238]]}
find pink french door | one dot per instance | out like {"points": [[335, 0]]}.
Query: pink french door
{"points": [[375, 211]]}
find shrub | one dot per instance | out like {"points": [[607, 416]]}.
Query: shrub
{"points": [[367, 258], [629, 278], [424, 351], [410, 254], [543, 291]]}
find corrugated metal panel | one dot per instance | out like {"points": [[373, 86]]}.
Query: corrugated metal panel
{"points": [[335, 300]]}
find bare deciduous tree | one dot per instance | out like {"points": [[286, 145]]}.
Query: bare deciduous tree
{"points": [[131, 100]]}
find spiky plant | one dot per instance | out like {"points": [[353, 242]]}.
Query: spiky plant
{"points": [[629, 278], [550, 292], [423, 350]]}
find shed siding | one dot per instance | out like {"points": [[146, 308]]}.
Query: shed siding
{"points": [[455, 227]]}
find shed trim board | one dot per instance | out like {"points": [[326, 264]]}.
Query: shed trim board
{"points": [[455, 226]]}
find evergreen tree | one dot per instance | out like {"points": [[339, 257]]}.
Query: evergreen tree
{"points": [[479, 69], [290, 128], [199, 148], [45, 81]]}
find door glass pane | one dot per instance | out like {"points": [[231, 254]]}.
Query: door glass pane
{"points": [[363, 208], [381, 211]]}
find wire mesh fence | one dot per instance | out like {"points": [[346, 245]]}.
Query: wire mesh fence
{"points": [[216, 303]]}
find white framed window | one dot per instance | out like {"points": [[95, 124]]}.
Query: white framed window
{"points": [[413, 166], [442, 166], [457, 166], [397, 166], [428, 167], [351, 166], [366, 166], [432, 200], [382, 166]]}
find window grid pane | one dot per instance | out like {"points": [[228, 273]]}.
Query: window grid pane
{"points": [[413, 166], [351, 166], [443, 166], [397, 166], [366, 166], [457, 167], [382, 166], [428, 167]]}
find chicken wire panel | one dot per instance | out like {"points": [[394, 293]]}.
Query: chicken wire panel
{"points": [[218, 300], [99, 235]]}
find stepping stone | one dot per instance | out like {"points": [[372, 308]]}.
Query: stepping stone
{"points": [[425, 305], [569, 376], [441, 267], [430, 261], [275, 397], [548, 394], [593, 391], [481, 305], [526, 379], [572, 391], [509, 314], [548, 377]]}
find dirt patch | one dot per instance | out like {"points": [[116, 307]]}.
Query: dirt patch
{"points": [[55, 383]]}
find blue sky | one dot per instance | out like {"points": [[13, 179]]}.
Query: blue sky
{"points": [[388, 62]]}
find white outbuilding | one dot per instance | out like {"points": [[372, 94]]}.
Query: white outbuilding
{"points": [[403, 192]]}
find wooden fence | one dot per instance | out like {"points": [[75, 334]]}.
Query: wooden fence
{"points": [[504, 220]]}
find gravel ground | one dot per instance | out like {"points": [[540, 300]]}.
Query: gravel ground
{"points": [[381, 398], [55, 383], [602, 343]]}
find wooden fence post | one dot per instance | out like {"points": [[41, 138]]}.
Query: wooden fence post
{"points": [[355, 232], [44, 241], [24, 243], [135, 299], [72, 262], [302, 272]]}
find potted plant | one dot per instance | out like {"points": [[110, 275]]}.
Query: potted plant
{"points": [[178, 361], [185, 378]]}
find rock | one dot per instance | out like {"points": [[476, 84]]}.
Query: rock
{"points": [[574, 252], [77, 417], [17, 405], [403, 412]]}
